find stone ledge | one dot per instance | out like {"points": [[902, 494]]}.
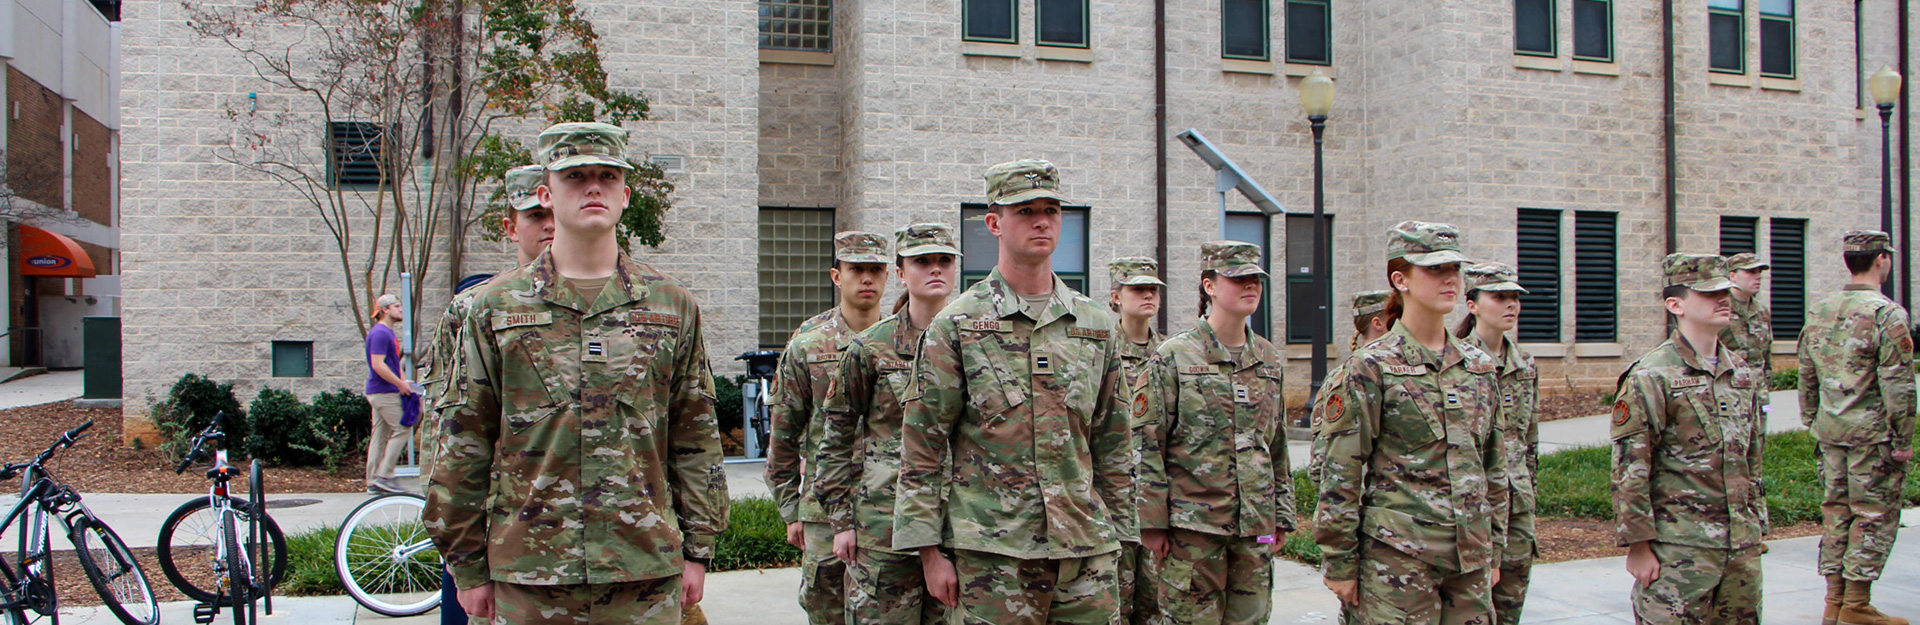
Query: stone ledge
{"points": [[1545, 63], [1246, 66], [1545, 350], [1302, 70], [987, 48], [1598, 68], [1056, 53], [1598, 350], [1780, 84], [796, 57], [1729, 80]]}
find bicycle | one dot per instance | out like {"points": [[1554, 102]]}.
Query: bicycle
{"points": [[385, 559], [202, 551], [109, 565]]}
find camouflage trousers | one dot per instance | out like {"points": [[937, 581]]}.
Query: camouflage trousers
{"points": [[1861, 512], [645, 602], [1701, 586], [1208, 578], [1399, 589], [885, 587], [1510, 595], [1139, 604], [823, 577], [1004, 590]]}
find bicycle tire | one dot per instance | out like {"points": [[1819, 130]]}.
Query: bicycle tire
{"points": [[41, 581], [122, 585], [256, 535], [186, 543], [375, 556], [11, 616], [239, 587]]}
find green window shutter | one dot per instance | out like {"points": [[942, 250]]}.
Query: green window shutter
{"points": [[1596, 284], [1539, 267], [1739, 235], [1788, 249]]}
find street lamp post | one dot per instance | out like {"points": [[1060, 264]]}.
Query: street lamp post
{"points": [[1316, 96], [1885, 87]]}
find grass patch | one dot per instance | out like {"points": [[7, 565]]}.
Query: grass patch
{"points": [[310, 564], [756, 538]]}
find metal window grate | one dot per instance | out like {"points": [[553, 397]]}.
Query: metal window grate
{"points": [[805, 25], [1788, 250], [796, 249], [1596, 272], [1539, 268], [355, 148], [1739, 235]]}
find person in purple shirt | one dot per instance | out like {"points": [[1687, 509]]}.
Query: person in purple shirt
{"points": [[385, 387]]}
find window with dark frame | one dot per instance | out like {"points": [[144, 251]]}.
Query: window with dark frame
{"points": [[1301, 308], [1538, 234], [1253, 228], [1777, 45], [796, 250], [293, 359], [1062, 23], [355, 149], [1309, 32], [1533, 28], [804, 25], [1593, 30], [1787, 249], [989, 20], [980, 251], [1596, 277], [1739, 235], [1727, 36], [1243, 30]]}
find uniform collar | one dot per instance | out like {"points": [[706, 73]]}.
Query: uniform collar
{"points": [[1217, 353], [1007, 303], [904, 339], [621, 287], [1509, 358], [1416, 353], [1692, 356], [1860, 287]]}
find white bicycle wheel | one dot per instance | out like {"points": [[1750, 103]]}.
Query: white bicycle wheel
{"points": [[386, 560]]}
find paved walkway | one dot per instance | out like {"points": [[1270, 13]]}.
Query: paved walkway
{"points": [[45, 388]]}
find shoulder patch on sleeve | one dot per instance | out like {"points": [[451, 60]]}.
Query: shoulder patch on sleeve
{"points": [[1620, 413]]}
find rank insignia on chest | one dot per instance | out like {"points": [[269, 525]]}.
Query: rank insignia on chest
{"points": [[1507, 400], [1042, 364], [594, 351], [1240, 395], [1453, 399]]}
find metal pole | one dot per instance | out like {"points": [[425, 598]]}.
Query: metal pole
{"points": [[1886, 183], [1321, 280]]}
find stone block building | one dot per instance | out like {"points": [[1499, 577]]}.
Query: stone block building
{"points": [[1538, 126]]}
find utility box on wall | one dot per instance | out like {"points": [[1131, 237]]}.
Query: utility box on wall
{"points": [[102, 358]]}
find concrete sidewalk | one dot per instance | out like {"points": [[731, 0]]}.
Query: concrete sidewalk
{"points": [[45, 388]]}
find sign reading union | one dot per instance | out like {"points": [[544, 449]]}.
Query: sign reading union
{"points": [[49, 262]]}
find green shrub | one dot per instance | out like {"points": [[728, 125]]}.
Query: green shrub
{"points": [[346, 418], [1785, 380], [189, 406], [310, 564], [726, 402], [300, 439], [756, 538]]}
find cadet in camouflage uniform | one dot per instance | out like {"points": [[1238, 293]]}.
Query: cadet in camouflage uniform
{"points": [[1220, 501], [800, 383], [1413, 511], [859, 458], [1750, 334], [1369, 324], [1857, 398], [1135, 295], [579, 479], [1493, 309], [1687, 443], [530, 226], [1018, 383]]}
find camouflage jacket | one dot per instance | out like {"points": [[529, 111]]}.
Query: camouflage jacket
{"points": [[1224, 440], [1028, 411], [859, 458], [1856, 370], [580, 446], [1750, 334], [1414, 457], [799, 383], [435, 374], [1687, 443], [1145, 391], [1520, 431]]}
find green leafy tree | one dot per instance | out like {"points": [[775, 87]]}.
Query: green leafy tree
{"points": [[432, 84]]}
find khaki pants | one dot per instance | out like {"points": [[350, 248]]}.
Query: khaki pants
{"points": [[388, 437]]}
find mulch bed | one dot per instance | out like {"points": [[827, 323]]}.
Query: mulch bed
{"points": [[100, 464], [1581, 539], [71, 586], [1570, 406]]}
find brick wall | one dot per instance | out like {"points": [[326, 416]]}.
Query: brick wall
{"points": [[92, 172], [33, 140]]}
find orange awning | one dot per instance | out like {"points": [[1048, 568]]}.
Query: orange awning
{"points": [[45, 253]]}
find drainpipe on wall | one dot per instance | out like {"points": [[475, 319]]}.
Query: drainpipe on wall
{"points": [[1906, 171], [1160, 148], [1668, 132]]}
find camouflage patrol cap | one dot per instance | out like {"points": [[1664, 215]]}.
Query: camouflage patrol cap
{"points": [[1014, 182], [854, 246], [1705, 273], [573, 144], [1425, 244], [1134, 270], [1493, 277], [1232, 259], [1867, 241], [1369, 302], [921, 239], [521, 181], [1746, 261]]}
